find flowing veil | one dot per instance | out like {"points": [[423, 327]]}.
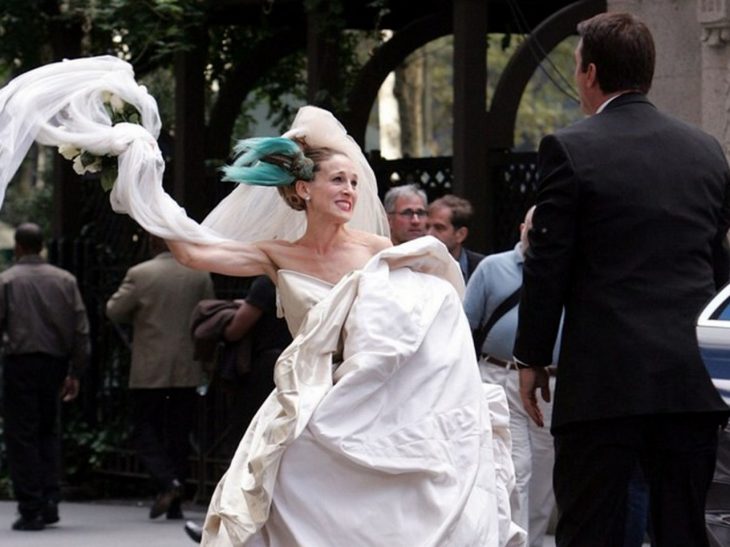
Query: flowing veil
{"points": [[62, 104]]}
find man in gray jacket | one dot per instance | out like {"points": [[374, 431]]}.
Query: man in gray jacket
{"points": [[46, 344]]}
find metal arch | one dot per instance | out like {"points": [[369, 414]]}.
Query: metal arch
{"points": [[502, 115], [385, 60]]}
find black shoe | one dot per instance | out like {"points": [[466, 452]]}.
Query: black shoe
{"points": [[29, 524], [194, 531], [175, 510], [50, 513], [165, 499]]}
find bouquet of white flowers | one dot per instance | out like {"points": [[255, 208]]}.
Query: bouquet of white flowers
{"points": [[100, 118], [84, 161]]}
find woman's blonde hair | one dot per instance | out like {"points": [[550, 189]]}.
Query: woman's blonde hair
{"points": [[317, 155]]}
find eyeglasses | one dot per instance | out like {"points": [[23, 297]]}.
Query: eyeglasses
{"points": [[410, 213]]}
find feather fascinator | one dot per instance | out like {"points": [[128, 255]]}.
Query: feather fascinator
{"points": [[269, 161]]}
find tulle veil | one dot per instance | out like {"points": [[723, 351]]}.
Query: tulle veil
{"points": [[62, 104]]}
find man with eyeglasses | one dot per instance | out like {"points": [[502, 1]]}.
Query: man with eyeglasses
{"points": [[407, 214]]}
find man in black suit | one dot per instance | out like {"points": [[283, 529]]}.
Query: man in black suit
{"points": [[448, 221], [629, 237]]}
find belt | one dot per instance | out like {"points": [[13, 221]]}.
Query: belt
{"points": [[511, 365], [499, 362]]}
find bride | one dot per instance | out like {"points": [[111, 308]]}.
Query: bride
{"points": [[379, 431]]}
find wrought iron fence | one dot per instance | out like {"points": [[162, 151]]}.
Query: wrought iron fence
{"points": [[514, 176], [109, 244], [431, 174]]}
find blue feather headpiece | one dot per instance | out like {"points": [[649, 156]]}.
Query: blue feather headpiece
{"points": [[269, 161]]}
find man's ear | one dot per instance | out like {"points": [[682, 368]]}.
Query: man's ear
{"points": [[591, 75], [461, 234]]}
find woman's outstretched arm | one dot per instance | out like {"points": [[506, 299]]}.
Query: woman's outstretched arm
{"points": [[227, 258]]}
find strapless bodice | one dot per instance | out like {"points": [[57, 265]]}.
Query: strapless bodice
{"points": [[297, 294]]}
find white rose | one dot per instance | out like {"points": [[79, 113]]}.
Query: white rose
{"points": [[116, 103], [106, 96], [68, 151], [81, 169], [78, 165]]}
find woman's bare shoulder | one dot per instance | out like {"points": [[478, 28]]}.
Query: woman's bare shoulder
{"points": [[374, 242], [380, 242], [277, 250]]}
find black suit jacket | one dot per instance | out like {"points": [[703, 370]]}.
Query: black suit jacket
{"points": [[472, 261], [629, 237]]}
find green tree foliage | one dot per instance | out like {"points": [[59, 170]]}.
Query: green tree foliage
{"points": [[25, 30], [149, 32], [282, 88], [24, 204], [550, 100], [145, 32], [548, 103]]}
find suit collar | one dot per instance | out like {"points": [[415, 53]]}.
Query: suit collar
{"points": [[627, 98]]}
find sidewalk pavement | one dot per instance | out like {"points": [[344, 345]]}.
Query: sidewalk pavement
{"points": [[102, 524], [109, 524]]}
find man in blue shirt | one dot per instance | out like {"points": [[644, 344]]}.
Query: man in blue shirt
{"points": [[494, 280]]}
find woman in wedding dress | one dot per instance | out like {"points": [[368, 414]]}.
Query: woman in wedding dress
{"points": [[379, 431]]}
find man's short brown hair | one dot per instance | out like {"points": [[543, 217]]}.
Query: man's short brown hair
{"points": [[622, 49], [461, 209]]}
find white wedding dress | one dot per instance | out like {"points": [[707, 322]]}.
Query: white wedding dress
{"points": [[380, 431]]}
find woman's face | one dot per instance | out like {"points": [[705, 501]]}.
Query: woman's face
{"points": [[334, 188]]}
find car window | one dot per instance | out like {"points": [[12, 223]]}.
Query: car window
{"points": [[722, 313]]}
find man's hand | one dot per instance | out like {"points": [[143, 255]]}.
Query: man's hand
{"points": [[530, 380], [69, 389]]}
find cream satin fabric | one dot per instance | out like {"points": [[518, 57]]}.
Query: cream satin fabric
{"points": [[401, 446]]}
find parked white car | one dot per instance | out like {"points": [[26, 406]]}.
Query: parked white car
{"points": [[713, 335]]}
